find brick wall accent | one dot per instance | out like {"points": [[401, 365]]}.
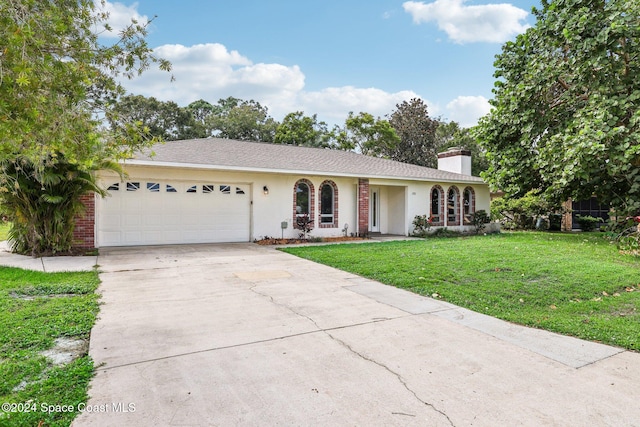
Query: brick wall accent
{"points": [[363, 206], [567, 218], [84, 230], [454, 152]]}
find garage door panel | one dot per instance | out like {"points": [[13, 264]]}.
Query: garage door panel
{"points": [[110, 238], [131, 220], [152, 236], [172, 236], [156, 220], [156, 212], [132, 237]]}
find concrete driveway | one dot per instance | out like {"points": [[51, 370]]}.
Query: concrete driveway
{"points": [[246, 335]]}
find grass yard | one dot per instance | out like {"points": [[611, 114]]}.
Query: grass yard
{"points": [[35, 309], [574, 284]]}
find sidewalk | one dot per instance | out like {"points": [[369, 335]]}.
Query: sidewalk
{"points": [[47, 264]]}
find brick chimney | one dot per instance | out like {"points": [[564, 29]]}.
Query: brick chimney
{"points": [[456, 159]]}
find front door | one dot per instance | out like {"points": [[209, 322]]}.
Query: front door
{"points": [[374, 210]]}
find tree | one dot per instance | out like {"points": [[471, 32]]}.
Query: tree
{"points": [[235, 118], [298, 129], [367, 135], [200, 112], [163, 120], [566, 116], [450, 135], [45, 201], [57, 85], [417, 133]]}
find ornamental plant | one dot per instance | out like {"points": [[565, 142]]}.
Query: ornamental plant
{"points": [[421, 225]]}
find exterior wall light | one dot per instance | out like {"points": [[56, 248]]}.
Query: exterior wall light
{"points": [[265, 189]]}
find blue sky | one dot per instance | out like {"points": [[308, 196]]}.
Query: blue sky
{"points": [[329, 57]]}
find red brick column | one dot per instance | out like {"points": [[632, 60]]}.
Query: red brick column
{"points": [[363, 206], [567, 218], [84, 231]]}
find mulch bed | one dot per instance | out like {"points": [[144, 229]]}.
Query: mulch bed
{"points": [[274, 241]]}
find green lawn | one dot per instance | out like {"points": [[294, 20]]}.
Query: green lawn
{"points": [[575, 284], [35, 309]]}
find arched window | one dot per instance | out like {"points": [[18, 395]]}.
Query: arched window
{"points": [[303, 199], [468, 204], [453, 212], [437, 205], [328, 204]]}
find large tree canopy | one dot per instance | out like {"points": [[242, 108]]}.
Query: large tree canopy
{"points": [[298, 129], [56, 79], [366, 134], [235, 118], [417, 133], [164, 120], [566, 116], [58, 83]]}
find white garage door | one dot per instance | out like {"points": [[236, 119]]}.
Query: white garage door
{"points": [[147, 212]]}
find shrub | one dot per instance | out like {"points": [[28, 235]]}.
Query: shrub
{"points": [[555, 222], [445, 232], [421, 225], [626, 233], [479, 220], [305, 224], [520, 213], [587, 222]]}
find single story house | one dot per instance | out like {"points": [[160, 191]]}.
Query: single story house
{"points": [[218, 190]]}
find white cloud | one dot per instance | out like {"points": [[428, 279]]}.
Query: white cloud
{"points": [[120, 16], [211, 72], [334, 104], [466, 110], [495, 23]]}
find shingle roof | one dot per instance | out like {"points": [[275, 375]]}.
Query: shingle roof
{"points": [[242, 155]]}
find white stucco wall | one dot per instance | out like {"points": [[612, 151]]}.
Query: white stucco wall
{"points": [[400, 201], [456, 164], [419, 200], [267, 211]]}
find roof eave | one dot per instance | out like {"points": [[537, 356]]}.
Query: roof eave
{"points": [[137, 162]]}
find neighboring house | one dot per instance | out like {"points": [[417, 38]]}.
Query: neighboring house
{"points": [[218, 190], [588, 207]]}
